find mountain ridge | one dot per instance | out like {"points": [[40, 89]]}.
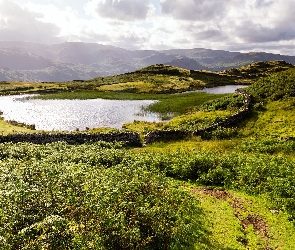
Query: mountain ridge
{"points": [[24, 61]]}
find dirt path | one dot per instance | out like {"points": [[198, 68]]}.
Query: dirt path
{"points": [[259, 225]]}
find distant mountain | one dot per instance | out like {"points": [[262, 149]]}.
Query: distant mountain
{"points": [[23, 61], [187, 63], [18, 59]]}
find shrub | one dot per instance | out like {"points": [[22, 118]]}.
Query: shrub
{"points": [[60, 196]]}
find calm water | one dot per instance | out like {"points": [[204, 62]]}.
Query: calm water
{"points": [[227, 89], [72, 114], [92, 113]]}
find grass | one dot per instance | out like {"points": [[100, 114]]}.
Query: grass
{"points": [[273, 119], [29, 87], [181, 103], [154, 79], [6, 128], [137, 87], [223, 228], [192, 111], [226, 222], [83, 95], [227, 219], [190, 122]]}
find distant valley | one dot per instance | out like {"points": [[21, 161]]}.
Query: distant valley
{"points": [[22, 61]]}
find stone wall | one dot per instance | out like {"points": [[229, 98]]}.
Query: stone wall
{"points": [[165, 135], [131, 139], [232, 120]]}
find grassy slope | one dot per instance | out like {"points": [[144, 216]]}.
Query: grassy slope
{"points": [[6, 128], [274, 119], [228, 218], [225, 217], [274, 107]]}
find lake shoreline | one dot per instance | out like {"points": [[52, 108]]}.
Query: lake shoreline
{"points": [[80, 114]]}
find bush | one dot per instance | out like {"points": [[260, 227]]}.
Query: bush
{"points": [[275, 87], [233, 102], [257, 174], [60, 196]]}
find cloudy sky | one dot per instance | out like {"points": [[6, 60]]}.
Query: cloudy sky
{"points": [[235, 25]]}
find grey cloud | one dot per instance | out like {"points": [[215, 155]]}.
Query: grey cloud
{"points": [[263, 3], [197, 10], [182, 41], [255, 33], [282, 23], [130, 41], [212, 35], [125, 10], [20, 24], [199, 32]]}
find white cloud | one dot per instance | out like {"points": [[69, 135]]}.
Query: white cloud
{"points": [[66, 19], [267, 21], [17, 23], [194, 10], [125, 10]]}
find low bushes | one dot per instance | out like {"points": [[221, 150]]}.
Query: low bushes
{"points": [[102, 196], [254, 173], [60, 196], [275, 87]]}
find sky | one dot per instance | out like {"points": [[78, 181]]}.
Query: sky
{"points": [[233, 25]]}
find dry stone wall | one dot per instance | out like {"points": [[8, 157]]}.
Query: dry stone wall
{"points": [[129, 138], [232, 120], [166, 135]]}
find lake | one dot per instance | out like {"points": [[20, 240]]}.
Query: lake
{"points": [[69, 115]]}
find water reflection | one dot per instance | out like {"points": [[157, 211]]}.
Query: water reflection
{"points": [[72, 114], [226, 89]]}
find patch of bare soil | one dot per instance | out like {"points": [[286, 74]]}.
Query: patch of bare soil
{"points": [[218, 194], [259, 225]]}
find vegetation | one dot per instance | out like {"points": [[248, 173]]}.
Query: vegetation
{"points": [[275, 87], [232, 189], [181, 104], [259, 69], [54, 197], [8, 128], [191, 113]]}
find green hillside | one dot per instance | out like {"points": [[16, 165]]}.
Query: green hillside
{"points": [[232, 188]]}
